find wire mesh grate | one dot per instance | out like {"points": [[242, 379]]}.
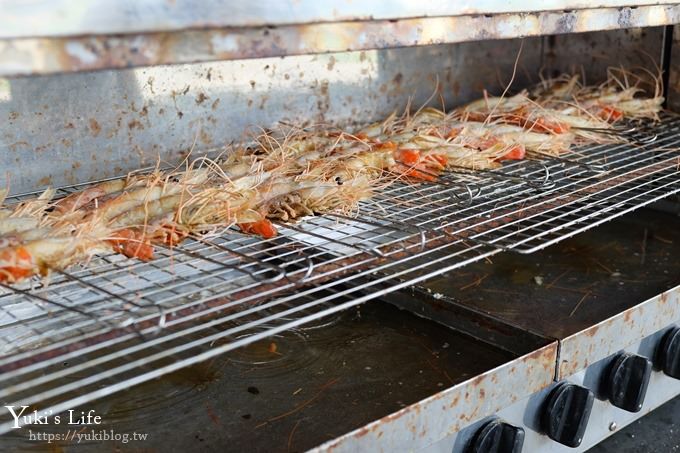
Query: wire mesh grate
{"points": [[100, 328]]}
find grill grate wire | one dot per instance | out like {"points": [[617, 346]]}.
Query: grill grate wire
{"points": [[101, 328]]}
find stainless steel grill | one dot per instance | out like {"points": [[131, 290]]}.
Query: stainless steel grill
{"points": [[114, 323]]}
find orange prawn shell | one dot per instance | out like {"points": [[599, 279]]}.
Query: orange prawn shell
{"points": [[609, 113], [132, 244], [16, 263], [264, 228]]}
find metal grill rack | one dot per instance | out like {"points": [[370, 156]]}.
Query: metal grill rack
{"points": [[117, 322]]}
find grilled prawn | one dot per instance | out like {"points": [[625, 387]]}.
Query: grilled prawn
{"points": [[288, 174]]}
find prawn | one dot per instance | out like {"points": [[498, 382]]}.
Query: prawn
{"points": [[76, 200], [287, 174], [37, 257]]}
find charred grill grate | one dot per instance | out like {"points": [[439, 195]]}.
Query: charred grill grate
{"points": [[116, 322]]}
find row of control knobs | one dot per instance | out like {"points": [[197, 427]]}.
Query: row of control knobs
{"points": [[566, 410]]}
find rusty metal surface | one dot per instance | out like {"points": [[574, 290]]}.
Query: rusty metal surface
{"points": [[589, 295], [441, 415], [35, 55], [597, 292], [526, 413], [96, 125], [592, 54], [83, 17], [301, 388], [618, 332], [102, 124]]}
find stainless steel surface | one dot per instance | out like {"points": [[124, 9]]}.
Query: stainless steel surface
{"points": [[595, 293], [101, 334], [82, 17], [427, 422], [591, 293], [119, 322], [96, 125], [607, 337], [351, 367], [526, 413], [544, 294], [654, 432], [443, 310], [296, 390], [36, 55]]}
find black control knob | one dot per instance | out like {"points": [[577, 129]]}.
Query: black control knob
{"points": [[496, 436], [626, 382], [668, 353], [566, 412]]}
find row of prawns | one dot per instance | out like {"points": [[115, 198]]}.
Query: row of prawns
{"points": [[287, 174]]}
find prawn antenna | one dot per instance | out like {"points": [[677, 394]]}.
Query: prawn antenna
{"points": [[507, 87]]}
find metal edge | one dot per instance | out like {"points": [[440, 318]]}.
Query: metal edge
{"points": [[32, 56], [434, 418], [605, 419], [85, 17], [480, 325], [673, 88], [590, 345]]}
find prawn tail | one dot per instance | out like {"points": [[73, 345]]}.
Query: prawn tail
{"points": [[132, 243], [263, 228], [416, 165], [16, 263]]}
